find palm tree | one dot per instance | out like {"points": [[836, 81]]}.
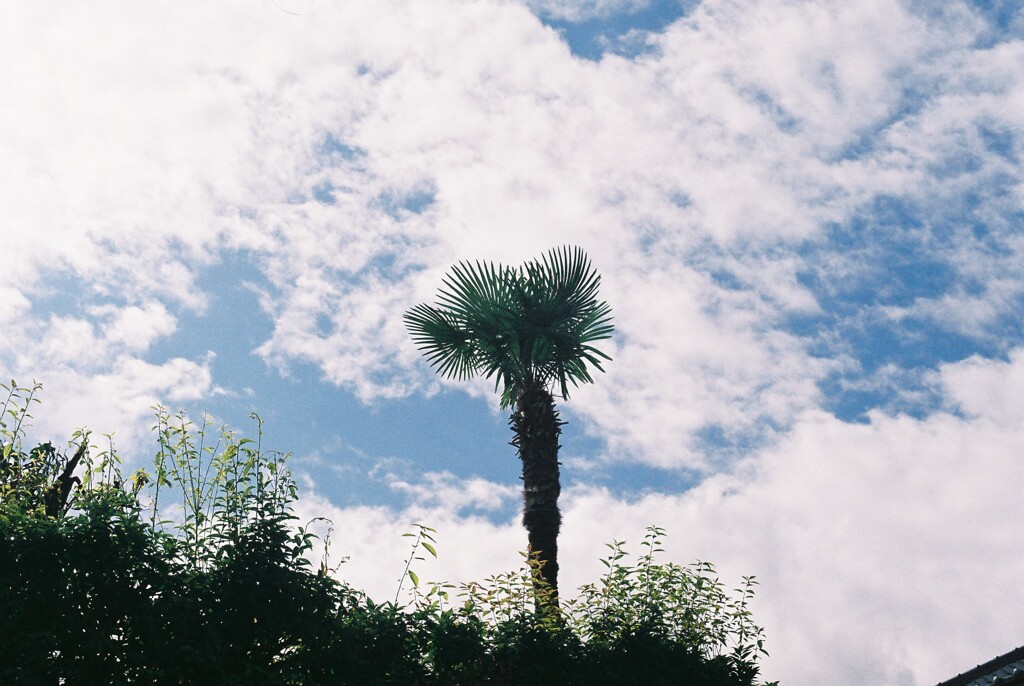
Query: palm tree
{"points": [[532, 329]]}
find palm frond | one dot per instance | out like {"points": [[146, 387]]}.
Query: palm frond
{"points": [[565, 310], [448, 347], [534, 324]]}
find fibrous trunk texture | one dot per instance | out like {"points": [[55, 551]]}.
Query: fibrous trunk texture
{"points": [[537, 428]]}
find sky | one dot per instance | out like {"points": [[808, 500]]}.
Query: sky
{"points": [[807, 215]]}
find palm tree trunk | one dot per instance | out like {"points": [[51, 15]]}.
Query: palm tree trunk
{"points": [[537, 427]]}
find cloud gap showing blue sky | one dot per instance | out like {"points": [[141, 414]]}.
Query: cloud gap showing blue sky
{"points": [[593, 29]]}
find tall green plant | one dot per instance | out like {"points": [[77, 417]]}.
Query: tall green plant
{"points": [[530, 328], [688, 604], [42, 479], [222, 482], [643, 621], [22, 476]]}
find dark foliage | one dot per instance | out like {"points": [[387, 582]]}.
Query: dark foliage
{"points": [[97, 592]]}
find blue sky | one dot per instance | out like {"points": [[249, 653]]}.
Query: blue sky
{"points": [[808, 219]]}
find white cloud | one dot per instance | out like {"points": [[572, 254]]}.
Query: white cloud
{"points": [[371, 537], [986, 389], [968, 315], [203, 144], [92, 374], [445, 491], [835, 69], [699, 358], [134, 328], [117, 398], [887, 552]]}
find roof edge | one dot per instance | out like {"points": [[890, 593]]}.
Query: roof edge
{"points": [[983, 669]]}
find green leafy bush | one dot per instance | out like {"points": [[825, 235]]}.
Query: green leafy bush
{"points": [[97, 587]]}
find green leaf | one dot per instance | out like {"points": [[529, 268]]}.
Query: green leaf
{"points": [[415, 578], [430, 548], [533, 324]]}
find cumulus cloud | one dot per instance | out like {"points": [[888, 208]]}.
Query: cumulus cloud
{"points": [[907, 519], [370, 547], [886, 552], [984, 388], [445, 491], [115, 399], [745, 160], [92, 373], [354, 172]]}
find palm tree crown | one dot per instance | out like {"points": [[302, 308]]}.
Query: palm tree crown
{"points": [[525, 326]]}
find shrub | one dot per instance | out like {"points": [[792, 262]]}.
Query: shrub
{"points": [[95, 587]]}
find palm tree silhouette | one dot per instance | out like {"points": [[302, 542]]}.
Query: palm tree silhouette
{"points": [[530, 328]]}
